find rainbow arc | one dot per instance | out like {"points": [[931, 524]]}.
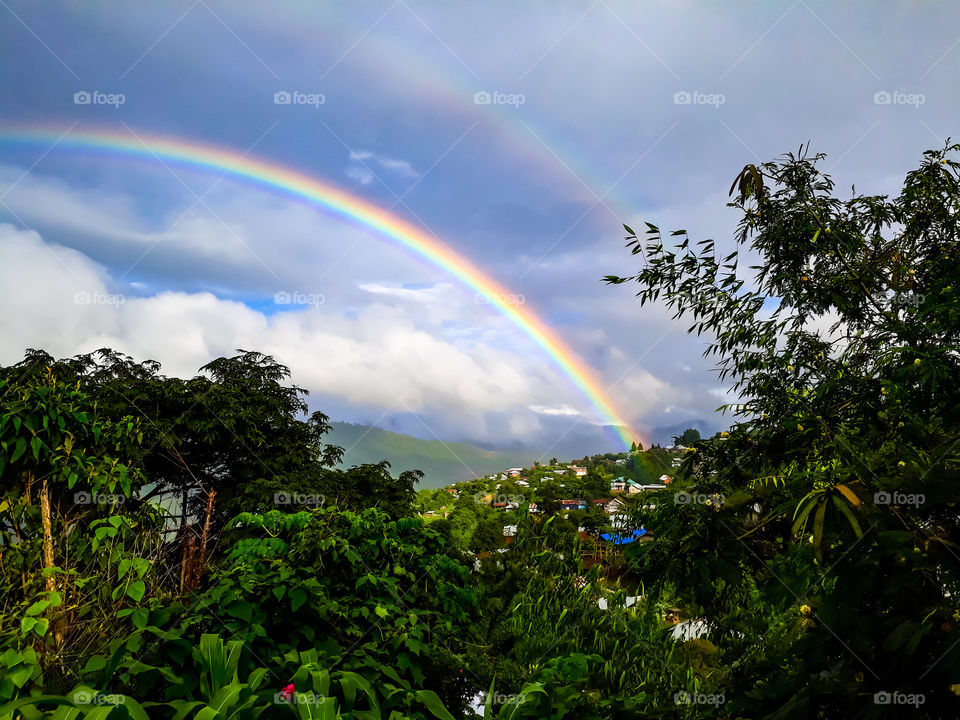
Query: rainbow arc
{"points": [[302, 187]]}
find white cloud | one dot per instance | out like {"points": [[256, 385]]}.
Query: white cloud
{"points": [[377, 359], [360, 174], [431, 293], [561, 410], [363, 162]]}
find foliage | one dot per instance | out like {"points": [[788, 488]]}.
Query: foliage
{"points": [[367, 592], [828, 570]]}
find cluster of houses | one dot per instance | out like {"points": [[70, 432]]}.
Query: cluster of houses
{"points": [[624, 484], [564, 470]]}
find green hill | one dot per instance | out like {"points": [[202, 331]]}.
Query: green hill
{"points": [[442, 462]]}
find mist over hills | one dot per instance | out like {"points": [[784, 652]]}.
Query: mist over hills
{"points": [[448, 462], [441, 462]]}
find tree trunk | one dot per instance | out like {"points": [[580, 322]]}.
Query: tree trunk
{"points": [[206, 526], [46, 519], [47, 522]]}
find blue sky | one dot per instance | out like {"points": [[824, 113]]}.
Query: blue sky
{"points": [[612, 112]]}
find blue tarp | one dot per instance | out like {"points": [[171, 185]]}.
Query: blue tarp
{"points": [[618, 539]]}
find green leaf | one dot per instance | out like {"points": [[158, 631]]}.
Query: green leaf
{"points": [[95, 663], [800, 523], [818, 520], [35, 445], [241, 609], [297, 598], [19, 449], [434, 705], [848, 513], [7, 710], [137, 590], [38, 607]]}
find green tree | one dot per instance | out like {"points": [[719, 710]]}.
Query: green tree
{"points": [[77, 543], [827, 566], [687, 437]]}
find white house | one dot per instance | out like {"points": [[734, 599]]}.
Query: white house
{"points": [[614, 506]]}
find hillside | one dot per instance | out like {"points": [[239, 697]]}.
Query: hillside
{"points": [[442, 462]]}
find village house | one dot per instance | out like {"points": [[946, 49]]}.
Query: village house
{"points": [[618, 485], [614, 506], [578, 471], [514, 472], [635, 487]]}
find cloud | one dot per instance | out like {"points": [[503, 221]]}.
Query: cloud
{"points": [[561, 410], [429, 294], [361, 171], [360, 174], [378, 359]]}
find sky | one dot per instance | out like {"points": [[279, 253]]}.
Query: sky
{"points": [[519, 137]]}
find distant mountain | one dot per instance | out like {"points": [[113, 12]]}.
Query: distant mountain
{"points": [[442, 462]]}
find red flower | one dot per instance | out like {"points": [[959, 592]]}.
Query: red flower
{"points": [[287, 692]]}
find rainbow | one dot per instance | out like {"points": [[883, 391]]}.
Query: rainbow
{"points": [[299, 186]]}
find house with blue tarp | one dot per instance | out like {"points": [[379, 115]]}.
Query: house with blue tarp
{"points": [[621, 538]]}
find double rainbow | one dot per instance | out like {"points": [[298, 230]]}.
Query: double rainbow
{"points": [[334, 200]]}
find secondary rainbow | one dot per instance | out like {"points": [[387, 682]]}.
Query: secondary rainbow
{"points": [[298, 185]]}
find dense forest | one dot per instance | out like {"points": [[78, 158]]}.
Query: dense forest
{"points": [[193, 548]]}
